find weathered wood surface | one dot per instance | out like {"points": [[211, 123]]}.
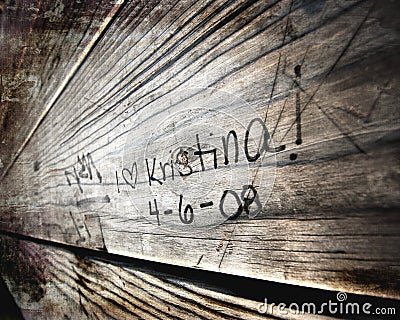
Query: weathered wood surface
{"points": [[322, 71], [66, 285], [43, 43], [55, 283]]}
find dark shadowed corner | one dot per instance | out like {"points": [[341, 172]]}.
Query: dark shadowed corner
{"points": [[9, 309]]}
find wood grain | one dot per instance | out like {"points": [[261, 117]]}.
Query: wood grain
{"points": [[322, 68], [72, 286], [67, 283], [43, 44]]}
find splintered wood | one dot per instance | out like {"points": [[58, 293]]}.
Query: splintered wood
{"points": [[254, 138]]}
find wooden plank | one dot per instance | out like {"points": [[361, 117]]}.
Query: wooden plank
{"points": [[90, 289], [321, 77], [57, 283], [43, 44]]}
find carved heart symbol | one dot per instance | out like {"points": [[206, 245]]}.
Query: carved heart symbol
{"points": [[129, 173]]}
